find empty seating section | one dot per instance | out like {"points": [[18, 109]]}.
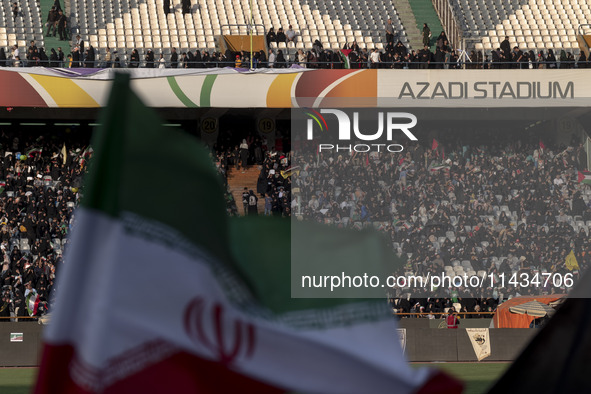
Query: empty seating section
{"points": [[27, 26], [530, 24], [127, 24], [340, 21]]}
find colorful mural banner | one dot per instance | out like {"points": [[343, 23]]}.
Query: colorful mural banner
{"points": [[297, 87]]}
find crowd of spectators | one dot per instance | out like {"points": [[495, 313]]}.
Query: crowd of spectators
{"points": [[274, 182], [508, 207], [395, 55], [41, 177]]}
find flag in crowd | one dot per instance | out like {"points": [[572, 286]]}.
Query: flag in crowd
{"points": [[571, 261], [584, 177], [344, 53], [435, 144], [290, 171], [34, 150], [439, 166], [222, 318], [32, 302]]}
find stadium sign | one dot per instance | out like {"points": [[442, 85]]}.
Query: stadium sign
{"points": [[487, 90]]}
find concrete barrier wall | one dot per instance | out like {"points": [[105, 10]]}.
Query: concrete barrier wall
{"points": [[20, 354], [423, 344], [440, 323]]}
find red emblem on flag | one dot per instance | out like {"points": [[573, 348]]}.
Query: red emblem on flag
{"points": [[198, 316]]}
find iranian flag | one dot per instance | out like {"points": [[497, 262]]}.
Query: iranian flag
{"points": [[34, 150], [161, 292], [584, 177], [32, 303]]}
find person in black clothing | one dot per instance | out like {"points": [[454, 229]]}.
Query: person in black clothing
{"points": [[43, 59], [252, 203], [53, 62], [60, 57], [197, 60], [551, 60], [61, 26], [80, 44], [425, 57], [271, 36], [134, 59], [186, 6], [426, 35], [506, 48], [90, 57], [52, 18], [262, 58], [166, 6], [280, 62], [2, 58], [57, 5], [439, 58], [205, 58], [353, 46], [14, 10], [517, 57], [174, 58], [149, 59], [281, 37]]}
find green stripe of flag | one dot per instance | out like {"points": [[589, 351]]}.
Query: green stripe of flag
{"points": [[132, 150]]}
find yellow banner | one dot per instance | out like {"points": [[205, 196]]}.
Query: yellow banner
{"points": [[571, 261]]}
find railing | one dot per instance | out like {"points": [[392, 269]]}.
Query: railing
{"points": [[125, 63], [19, 318], [241, 25], [450, 22], [462, 315]]}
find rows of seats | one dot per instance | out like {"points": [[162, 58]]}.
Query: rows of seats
{"points": [[25, 27], [127, 24], [532, 24]]}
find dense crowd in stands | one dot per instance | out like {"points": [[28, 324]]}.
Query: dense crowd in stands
{"points": [[273, 184], [507, 207], [39, 190]]}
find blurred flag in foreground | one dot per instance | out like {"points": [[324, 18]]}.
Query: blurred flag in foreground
{"points": [[558, 359], [162, 293]]}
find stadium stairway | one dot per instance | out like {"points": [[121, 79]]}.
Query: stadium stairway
{"points": [[407, 17], [425, 13], [52, 42], [238, 180]]}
